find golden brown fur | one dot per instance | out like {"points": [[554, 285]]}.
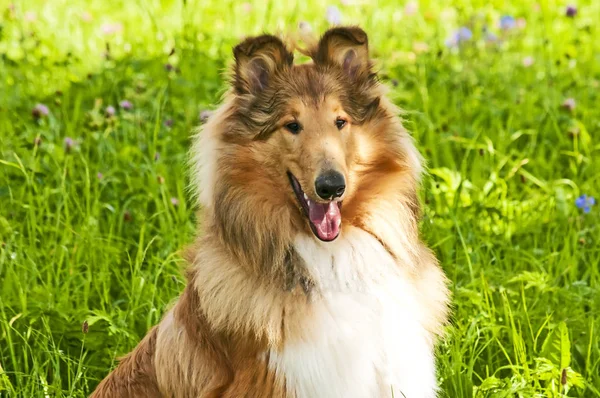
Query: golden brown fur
{"points": [[249, 292]]}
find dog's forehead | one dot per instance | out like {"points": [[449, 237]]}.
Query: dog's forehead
{"points": [[310, 84], [304, 106]]}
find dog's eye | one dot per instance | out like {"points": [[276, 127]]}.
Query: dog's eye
{"points": [[293, 127], [340, 123]]}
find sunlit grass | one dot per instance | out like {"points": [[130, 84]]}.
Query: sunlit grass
{"points": [[90, 228]]}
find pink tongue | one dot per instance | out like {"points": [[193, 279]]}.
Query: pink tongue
{"points": [[326, 219]]}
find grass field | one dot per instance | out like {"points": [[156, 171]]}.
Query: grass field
{"points": [[97, 102]]}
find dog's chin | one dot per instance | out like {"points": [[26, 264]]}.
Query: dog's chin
{"points": [[324, 218]]}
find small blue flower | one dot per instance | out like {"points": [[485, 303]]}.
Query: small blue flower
{"points": [[451, 41], [334, 15], [459, 36], [585, 203], [507, 22], [464, 34]]}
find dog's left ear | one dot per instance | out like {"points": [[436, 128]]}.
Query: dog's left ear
{"points": [[347, 47], [257, 59]]}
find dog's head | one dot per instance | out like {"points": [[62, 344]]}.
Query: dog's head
{"points": [[308, 115], [293, 143]]}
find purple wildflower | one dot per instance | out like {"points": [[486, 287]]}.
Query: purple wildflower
{"points": [[99, 176], [334, 15], [69, 143], [110, 111], [168, 123], [127, 105], [488, 35], [507, 22], [571, 11], [462, 35], [491, 37], [451, 41], [205, 115], [40, 110], [569, 104], [175, 202], [585, 203]]}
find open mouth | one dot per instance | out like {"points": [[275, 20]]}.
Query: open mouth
{"points": [[325, 219]]}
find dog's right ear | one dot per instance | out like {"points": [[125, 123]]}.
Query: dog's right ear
{"points": [[257, 59]]}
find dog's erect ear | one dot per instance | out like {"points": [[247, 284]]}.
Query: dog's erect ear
{"points": [[256, 60], [347, 47]]}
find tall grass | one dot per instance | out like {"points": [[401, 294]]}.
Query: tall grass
{"points": [[94, 208]]}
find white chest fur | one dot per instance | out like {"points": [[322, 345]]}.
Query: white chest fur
{"points": [[367, 340]]}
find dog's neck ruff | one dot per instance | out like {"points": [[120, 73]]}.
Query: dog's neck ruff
{"points": [[366, 337]]}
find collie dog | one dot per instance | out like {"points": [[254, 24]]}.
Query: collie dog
{"points": [[309, 278]]}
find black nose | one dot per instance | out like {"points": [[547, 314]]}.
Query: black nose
{"points": [[330, 185]]}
